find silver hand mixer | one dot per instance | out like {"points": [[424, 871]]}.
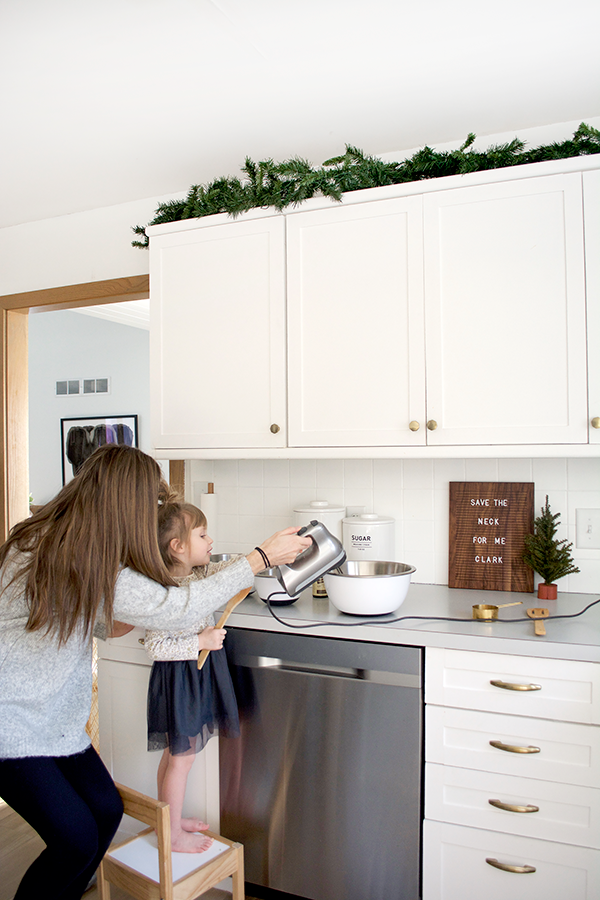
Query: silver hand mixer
{"points": [[325, 553]]}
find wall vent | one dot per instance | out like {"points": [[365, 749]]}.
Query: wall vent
{"points": [[76, 386]]}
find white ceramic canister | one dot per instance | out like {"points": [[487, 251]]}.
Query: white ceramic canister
{"points": [[368, 537], [331, 516]]}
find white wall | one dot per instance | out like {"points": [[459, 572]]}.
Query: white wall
{"points": [[65, 344], [256, 498]]}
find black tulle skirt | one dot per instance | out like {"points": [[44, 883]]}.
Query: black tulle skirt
{"points": [[186, 706]]}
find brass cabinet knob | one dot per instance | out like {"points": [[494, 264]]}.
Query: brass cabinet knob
{"points": [[275, 429], [414, 426], [432, 424], [596, 422]]}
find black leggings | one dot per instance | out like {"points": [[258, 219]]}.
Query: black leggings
{"points": [[73, 804]]}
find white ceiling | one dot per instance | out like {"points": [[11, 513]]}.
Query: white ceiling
{"points": [[106, 101]]}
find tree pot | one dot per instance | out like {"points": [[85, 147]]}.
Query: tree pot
{"points": [[547, 591]]}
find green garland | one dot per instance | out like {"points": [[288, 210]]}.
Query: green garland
{"points": [[289, 183]]}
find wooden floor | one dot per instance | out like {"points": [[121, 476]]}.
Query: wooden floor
{"points": [[20, 845]]}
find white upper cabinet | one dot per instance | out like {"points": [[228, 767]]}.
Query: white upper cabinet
{"points": [[505, 313], [356, 374], [445, 317], [591, 202], [217, 335]]}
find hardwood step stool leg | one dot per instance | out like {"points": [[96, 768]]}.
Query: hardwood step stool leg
{"points": [[237, 878], [103, 885]]}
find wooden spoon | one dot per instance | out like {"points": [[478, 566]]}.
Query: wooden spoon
{"points": [[235, 601], [538, 613]]}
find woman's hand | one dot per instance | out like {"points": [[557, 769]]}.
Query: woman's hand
{"points": [[211, 638], [280, 549]]}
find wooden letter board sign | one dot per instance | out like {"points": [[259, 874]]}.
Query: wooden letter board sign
{"points": [[488, 523]]}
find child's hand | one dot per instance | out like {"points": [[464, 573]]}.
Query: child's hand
{"points": [[211, 638], [120, 628]]}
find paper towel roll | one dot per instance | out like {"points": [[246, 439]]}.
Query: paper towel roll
{"points": [[208, 505]]}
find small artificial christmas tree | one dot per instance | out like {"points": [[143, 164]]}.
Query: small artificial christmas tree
{"points": [[548, 557]]}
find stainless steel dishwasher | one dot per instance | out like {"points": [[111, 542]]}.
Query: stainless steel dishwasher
{"points": [[323, 787]]}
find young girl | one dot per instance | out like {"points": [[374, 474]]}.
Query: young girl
{"points": [[186, 705]]}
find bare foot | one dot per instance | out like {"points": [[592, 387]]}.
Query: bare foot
{"points": [[190, 843], [193, 825]]}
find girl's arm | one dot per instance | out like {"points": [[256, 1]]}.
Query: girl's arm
{"points": [[211, 638]]}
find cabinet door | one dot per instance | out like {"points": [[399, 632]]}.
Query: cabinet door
{"points": [[217, 335], [563, 690], [122, 699], [455, 866], [565, 813], [355, 341], [591, 211], [562, 752], [505, 313]]}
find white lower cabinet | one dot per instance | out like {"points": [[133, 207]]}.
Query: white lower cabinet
{"points": [[512, 798], [458, 865], [122, 700]]}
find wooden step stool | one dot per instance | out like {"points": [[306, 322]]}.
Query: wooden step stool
{"points": [[144, 866]]}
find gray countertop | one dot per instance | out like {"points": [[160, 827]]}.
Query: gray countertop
{"points": [[576, 639]]}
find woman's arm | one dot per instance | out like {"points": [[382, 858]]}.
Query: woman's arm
{"points": [[141, 601]]}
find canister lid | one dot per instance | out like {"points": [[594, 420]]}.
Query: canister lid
{"points": [[316, 506], [368, 519]]}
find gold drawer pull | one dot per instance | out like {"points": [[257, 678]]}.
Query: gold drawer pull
{"points": [[512, 748], [511, 807], [509, 686], [141, 641], [518, 870]]}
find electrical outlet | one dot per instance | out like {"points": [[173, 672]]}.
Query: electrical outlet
{"points": [[588, 529]]}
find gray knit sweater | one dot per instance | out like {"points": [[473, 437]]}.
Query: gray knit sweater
{"points": [[45, 691]]}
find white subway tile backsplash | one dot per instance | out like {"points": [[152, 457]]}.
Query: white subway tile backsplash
{"points": [[277, 502], [228, 499], [515, 470], [447, 470], [481, 470], [251, 501], [418, 474], [256, 498], [250, 472], [388, 474], [358, 475], [583, 474], [418, 504], [226, 472], [330, 474], [551, 473], [303, 473], [277, 473]]}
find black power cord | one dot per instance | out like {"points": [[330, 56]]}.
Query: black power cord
{"points": [[382, 620]]}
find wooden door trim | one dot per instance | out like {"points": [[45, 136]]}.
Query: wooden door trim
{"points": [[14, 456]]}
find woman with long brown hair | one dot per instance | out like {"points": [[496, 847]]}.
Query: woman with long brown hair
{"points": [[91, 553]]}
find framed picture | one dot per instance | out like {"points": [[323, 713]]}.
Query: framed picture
{"points": [[82, 435]]}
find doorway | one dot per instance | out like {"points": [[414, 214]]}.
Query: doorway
{"points": [[14, 402]]}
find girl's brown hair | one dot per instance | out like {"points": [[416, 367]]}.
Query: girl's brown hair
{"points": [[176, 520], [105, 518]]}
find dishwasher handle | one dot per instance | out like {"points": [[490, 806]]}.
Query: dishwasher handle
{"points": [[397, 679]]}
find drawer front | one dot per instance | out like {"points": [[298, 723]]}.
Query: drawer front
{"points": [[562, 690], [566, 813], [568, 753], [455, 868]]}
